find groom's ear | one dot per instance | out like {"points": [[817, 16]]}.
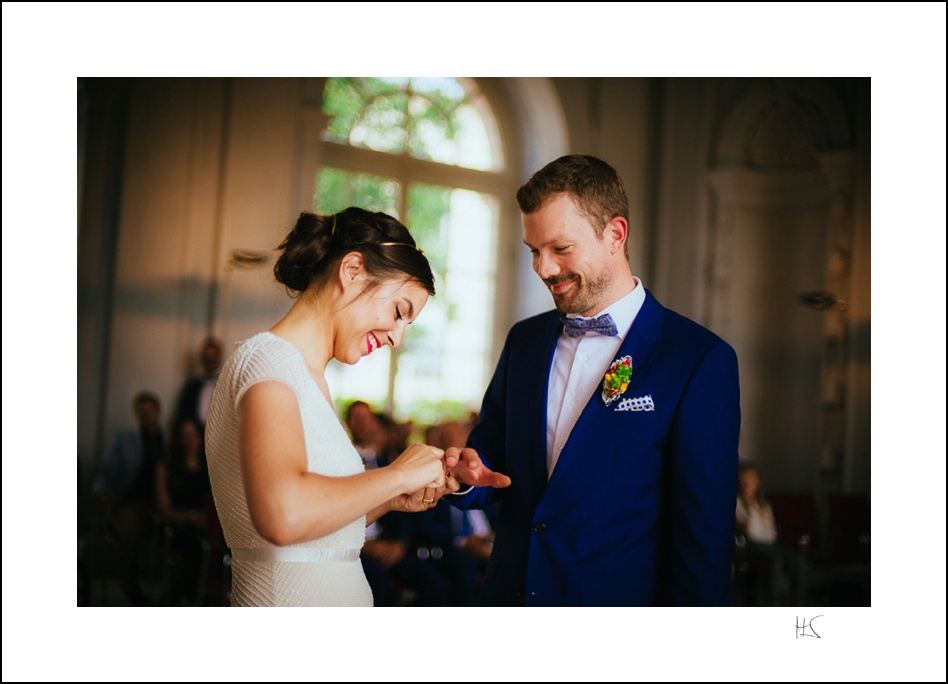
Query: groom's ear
{"points": [[616, 232]]}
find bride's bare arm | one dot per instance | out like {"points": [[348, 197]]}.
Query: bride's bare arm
{"points": [[287, 503]]}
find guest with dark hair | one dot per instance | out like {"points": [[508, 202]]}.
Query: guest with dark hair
{"points": [[458, 541], [395, 437], [368, 434], [124, 488], [194, 399], [182, 489]]}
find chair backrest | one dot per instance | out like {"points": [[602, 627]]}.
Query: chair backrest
{"points": [[850, 510], [849, 527], [796, 515]]}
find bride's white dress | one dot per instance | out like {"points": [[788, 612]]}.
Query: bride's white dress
{"points": [[323, 572]]}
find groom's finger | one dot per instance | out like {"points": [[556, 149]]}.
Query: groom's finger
{"points": [[451, 457]]}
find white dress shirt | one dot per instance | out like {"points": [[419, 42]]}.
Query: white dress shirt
{"points": [[204, 398], [579, 364]]}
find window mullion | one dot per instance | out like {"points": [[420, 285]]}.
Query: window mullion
{"points": [[359, 160]]}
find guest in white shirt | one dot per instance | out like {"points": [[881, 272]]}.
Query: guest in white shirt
{"points": [[755, 521]]}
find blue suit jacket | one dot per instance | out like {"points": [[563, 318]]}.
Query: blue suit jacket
{"points": [[639, 510]]}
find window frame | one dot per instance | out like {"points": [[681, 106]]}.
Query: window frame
{"points": [[317, 153]]}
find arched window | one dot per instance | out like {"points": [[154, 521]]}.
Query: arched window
{"points": [[425, 150]]}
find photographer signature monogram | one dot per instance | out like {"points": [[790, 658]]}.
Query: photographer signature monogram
{"points": [[802, 628]]}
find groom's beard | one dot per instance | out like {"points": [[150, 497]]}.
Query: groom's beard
{"points": [[585, 295]]}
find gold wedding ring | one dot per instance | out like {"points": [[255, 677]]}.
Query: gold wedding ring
{"points": [[428, 501]]}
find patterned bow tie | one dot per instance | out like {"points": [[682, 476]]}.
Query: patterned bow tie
{"points": [[577, 327]]}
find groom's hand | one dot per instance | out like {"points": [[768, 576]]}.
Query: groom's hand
{"points": [[470, 470]]}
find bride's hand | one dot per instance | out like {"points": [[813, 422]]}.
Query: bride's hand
{"points": [[427, 497], [422, 467]]}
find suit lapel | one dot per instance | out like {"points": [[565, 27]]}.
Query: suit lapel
{"points": [[640, 344], [537, 360]]}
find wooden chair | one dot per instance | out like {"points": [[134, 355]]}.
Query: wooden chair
{"points": [[214, 579], [844, 574], [849, 528], [798, 528]]}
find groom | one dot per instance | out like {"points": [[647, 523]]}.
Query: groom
{"points": [[615, 418]]}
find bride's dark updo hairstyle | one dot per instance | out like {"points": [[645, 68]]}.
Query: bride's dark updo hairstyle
{"points": [[313, 249]]}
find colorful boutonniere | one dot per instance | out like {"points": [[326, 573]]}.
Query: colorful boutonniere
{"points": [[616, 379]]}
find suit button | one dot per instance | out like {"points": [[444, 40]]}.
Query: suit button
{"points": [[539, 527]]}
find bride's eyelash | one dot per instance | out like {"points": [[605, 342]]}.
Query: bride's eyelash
{"points": [[398, 313]]}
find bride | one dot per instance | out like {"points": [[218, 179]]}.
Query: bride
{"points": [[291, 491]]}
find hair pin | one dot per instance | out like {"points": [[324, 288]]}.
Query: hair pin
{"points": [[399, 244]]}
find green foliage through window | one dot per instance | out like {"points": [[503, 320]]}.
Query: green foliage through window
{"points": [[336, 190], [425, 118]]}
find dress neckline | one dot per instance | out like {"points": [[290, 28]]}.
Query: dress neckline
{"points": [[302, 360]]}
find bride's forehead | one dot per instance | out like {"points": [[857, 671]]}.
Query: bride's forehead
{"points": [[404, 288], [410, 292]]}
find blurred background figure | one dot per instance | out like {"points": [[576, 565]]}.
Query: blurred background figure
{"points": [[194, 399], [124, 490], [397, 574], [772, 567], [456, 543], [182, 493], [396, 436], [368, 435], [478, 539]]}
